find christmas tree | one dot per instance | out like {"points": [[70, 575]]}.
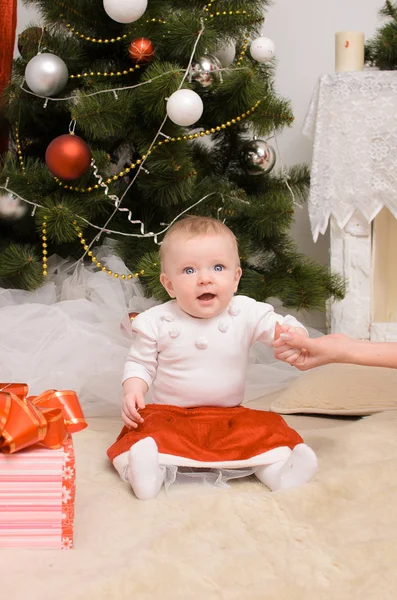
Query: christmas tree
{"points": [[111, 106], [381, 50]]}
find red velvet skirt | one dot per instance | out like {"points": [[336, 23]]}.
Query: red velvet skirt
{"points": [[208, 434]]}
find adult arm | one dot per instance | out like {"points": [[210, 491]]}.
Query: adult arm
{"points": [[337, 348]]}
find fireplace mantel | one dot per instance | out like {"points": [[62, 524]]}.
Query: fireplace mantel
{"points": [[352, 119]]}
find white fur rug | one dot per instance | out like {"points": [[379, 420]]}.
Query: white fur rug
{"points": [[333, 539]]}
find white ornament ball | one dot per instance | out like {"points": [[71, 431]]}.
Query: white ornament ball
{"points": [[226, 54], [184, 107], [46, 74], [262, 49], [11, 208], [125, 11]]}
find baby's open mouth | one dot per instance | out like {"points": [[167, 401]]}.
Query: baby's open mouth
{"points": [[206, 296]]}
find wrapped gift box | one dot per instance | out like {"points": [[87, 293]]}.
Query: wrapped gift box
{"points": [[37, 491]]}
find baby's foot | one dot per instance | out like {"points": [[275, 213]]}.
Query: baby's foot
{"points": [[145, 474], [299, 468]]}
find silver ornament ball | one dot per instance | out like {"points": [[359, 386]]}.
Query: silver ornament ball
{"points": [[46, 74], [205, 69], [11, 208], [257, 157]]}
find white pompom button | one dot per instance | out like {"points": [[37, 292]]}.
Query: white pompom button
{"points": [[223, 326], [201, 343], [174, 331], [233, 310]]}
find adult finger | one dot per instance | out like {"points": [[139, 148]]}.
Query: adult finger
{"points": [[287, 354], [296, 340]]}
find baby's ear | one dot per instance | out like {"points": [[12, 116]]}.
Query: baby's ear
{"points": [[237, 277], [167, 284]]}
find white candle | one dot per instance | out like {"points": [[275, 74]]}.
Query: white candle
{"points": [[349, 51]]}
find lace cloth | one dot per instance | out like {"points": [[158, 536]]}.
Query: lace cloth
{"points": [[352, 119]]}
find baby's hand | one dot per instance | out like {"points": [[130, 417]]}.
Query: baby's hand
{"points": [[282, 351], [132, 402]]}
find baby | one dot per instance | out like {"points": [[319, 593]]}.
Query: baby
{"points": [[193, 353]]}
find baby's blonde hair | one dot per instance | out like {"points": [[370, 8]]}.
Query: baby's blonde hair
{"points": [[193, 226]]}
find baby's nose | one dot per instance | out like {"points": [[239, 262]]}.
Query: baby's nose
{"points": [[205, 276]]}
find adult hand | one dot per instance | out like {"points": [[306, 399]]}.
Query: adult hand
{"points": [[314, 351], [283, 351]]}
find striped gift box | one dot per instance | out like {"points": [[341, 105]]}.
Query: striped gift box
{"points": [[37, 491]]}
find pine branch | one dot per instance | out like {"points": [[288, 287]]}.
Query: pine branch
{"points": [[101, 116], [165, 78], [239, 91], [389, 10], [171, 178], [150, 265], [381, 50], [20, 266], [271, 116]]}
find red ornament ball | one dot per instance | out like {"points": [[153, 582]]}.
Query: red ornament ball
{"points": [[141, 50], [68, 157]]}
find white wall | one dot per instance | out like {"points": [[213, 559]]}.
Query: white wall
{"points": [[303, 31]]}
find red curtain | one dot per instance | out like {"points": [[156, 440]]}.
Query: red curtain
{"points": [[8, 23]]}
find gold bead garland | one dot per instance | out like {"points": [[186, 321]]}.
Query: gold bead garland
{"points": [[228, 13], [99, 264], [89, 38], [138, 162], [105, 74], [211, 15], [44, 246], [242, 53], [19, 150], [224, 13], [93, 258], [182, 138]]}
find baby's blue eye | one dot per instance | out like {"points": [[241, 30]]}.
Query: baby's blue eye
{"points": [[218, 268], [188, 270]]}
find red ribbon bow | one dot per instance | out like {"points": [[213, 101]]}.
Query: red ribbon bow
{"points": [[46, 419]]}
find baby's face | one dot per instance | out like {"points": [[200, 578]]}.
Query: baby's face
{"points": [[202, 273]]}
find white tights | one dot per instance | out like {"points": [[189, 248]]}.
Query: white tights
{"points": [[146, 475]]}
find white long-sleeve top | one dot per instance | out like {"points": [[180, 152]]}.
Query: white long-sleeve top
{"points": [[190, 362]]}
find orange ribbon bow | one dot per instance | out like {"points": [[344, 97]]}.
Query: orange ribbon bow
{"points": [[46, 419]]}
